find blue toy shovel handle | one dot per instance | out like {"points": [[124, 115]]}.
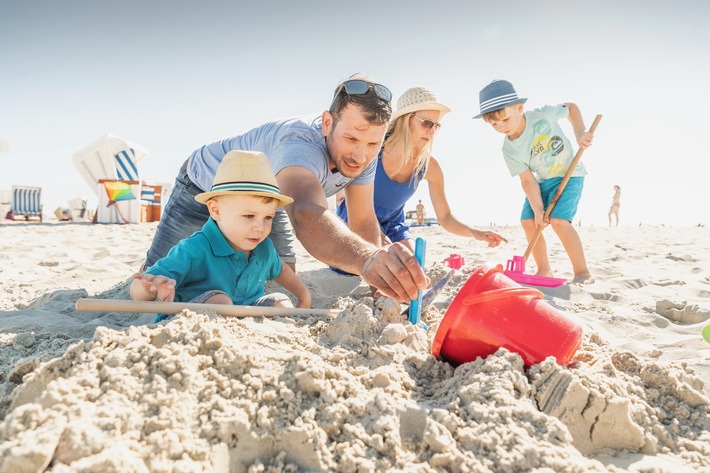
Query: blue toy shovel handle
{"points": [[415, 307]]}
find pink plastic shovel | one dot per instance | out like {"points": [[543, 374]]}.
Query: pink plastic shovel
{"points": [[515, 268]]}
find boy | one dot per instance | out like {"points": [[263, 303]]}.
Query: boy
{"points": [[536, 150], [231, 258]]}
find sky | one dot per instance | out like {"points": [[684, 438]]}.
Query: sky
{"points": [[175, 75]]}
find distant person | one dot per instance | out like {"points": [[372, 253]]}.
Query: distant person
{"points": [[536, 150], [403, 162], [231, 258], [615, 204], [313, 157], [420, 213]]}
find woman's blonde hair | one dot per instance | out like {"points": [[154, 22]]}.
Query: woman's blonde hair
{"points": [[398, 131]]}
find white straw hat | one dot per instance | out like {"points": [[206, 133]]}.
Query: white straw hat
{"points": [[415, 99], [245, 172]]}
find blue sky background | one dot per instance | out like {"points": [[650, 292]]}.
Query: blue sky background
{"points": [[172, 76]]}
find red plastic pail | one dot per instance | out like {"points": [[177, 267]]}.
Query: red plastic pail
{"points": [[492, 311]]}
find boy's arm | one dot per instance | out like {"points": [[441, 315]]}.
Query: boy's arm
{"points": [[532, 190], [288, 280], [584, 138]]}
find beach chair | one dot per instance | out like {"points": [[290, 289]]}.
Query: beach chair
{"points": [[78, 207], [151, 199], [26, 203], [110, 157]]}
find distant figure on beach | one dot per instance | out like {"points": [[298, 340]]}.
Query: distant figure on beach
{"points": [[420, 213], [313, 158], [231, 258], [403, 162], [615, 204], [536, 150]]}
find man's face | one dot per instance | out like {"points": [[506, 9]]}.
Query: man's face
{"points": [[352, 142]]}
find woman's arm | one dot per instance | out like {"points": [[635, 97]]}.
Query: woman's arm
{"points": [[435, 179]]}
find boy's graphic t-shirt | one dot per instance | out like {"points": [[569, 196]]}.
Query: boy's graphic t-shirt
{"points": [[543, 148]]}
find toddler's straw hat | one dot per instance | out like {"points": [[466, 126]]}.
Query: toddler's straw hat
{"points": [[415, 99], [245, 172], [496, 95]]}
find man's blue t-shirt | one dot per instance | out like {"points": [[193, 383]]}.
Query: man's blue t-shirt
{"points": [[205, 261], [291, 142]]}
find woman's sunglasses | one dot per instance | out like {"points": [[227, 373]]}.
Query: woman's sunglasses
{"points": [[428, 124], [361, 87]]}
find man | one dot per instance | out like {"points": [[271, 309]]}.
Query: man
{"points": [[313, 158]]}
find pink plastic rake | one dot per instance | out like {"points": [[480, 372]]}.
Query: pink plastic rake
{"points": [[515, 268]]}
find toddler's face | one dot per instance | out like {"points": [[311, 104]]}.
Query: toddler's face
{"points": [[245, 220], [510, 122]]}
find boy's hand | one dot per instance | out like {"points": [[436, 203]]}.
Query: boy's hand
{"points": [[585, 140], [540, 218], [161, 287]]}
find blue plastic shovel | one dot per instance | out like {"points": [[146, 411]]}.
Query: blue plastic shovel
{"points": [[415, 306]]}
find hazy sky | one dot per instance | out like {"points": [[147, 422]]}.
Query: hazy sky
{"points": [[174, 75]]}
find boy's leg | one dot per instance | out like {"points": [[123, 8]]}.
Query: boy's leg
{"points": [[182, 217], [561, 222], [573, 246], [539, 251]]}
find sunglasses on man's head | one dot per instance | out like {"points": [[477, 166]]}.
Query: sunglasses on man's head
{"points": [[428, 124], [361, 87]]}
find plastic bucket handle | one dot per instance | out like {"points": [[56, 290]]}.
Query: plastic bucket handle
{"points": [[495, 294]]}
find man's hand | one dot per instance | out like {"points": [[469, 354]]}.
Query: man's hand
{"points": [[395, 272]]}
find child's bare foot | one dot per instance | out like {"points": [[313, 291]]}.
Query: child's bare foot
{"points": [[585, 278]]}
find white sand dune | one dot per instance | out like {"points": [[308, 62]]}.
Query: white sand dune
{"points": [[111, 392]]}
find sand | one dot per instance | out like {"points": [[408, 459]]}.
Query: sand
{"points": [[358, 392]]}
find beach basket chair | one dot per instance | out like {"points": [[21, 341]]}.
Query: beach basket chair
{"points": [[26, 203], [110, 157]]}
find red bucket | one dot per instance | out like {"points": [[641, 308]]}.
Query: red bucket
{"points": [[492, 311]]}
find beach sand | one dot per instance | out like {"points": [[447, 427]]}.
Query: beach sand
{"points": [[358, 392]]}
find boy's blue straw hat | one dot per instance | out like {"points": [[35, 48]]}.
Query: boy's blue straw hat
{"points": [[496, 95]]}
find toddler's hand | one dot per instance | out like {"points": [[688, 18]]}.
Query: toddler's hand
{"points": [[163, 288]]}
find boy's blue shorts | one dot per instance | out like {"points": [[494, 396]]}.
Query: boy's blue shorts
{"points": [[566, 206]]}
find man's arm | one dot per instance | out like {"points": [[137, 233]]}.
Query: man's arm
{"points": [[361, 212], [393, 270]]}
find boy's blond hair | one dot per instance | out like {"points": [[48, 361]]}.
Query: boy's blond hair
{"points": [[496, 115]]}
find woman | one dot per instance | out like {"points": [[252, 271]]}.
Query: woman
{"points": [[404, 161]]}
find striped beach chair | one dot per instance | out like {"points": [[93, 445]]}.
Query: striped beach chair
{"points": [[126, 169], [109, 157], [26, 203]]}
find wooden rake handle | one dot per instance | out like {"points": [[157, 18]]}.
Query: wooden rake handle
{"points": [[560, 189], [153, 307]]}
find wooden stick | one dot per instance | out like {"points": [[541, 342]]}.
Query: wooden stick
{"points": [[563, 184], [154, 307]]}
